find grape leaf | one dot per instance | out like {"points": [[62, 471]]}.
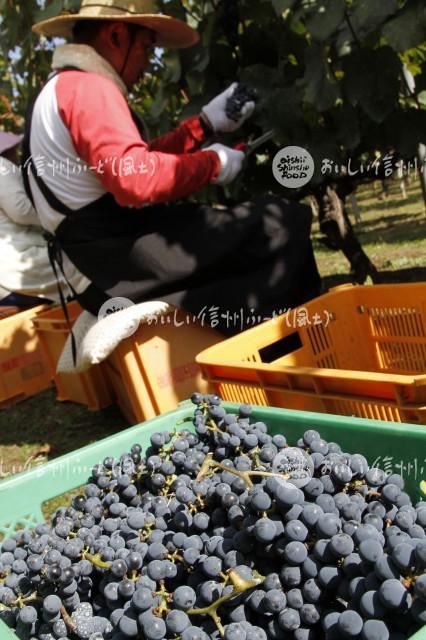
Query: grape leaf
{"points": [[195, 58], [346, 126], [319, 91], [256, 49], [282, 5], [72, 5], [159, 104], [402, 131], [52, 10], [357, 72], [372, 80], [323, 21], [422, 98], [344, 40], [408, 28], [260, 77], [195, 81], [221, 58], [173, 8], [173, 67], [258, 11], [370, 14], [282, 111]]}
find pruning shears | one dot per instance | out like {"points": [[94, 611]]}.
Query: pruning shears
{"points": [[251, 145]]}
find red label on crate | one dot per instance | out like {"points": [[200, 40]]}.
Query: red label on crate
{"points": [[178, 375]]}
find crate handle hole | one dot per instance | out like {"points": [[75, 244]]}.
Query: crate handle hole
{"points": [[281, 348]]}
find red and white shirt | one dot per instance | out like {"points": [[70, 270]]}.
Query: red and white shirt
{"points": [[84, 143]]}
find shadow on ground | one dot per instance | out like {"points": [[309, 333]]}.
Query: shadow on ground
{"points": [[416, 274]]}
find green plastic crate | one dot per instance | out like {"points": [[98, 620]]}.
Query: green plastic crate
{"points": [[393, 446]]}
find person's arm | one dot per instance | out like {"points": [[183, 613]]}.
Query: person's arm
{"points": [[106, 138], [13, 198], [186, 138]]}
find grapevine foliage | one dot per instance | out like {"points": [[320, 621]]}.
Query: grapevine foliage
{"points": [[331, 75]]}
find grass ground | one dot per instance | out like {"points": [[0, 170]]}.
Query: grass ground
{"points": [[392, 232]]}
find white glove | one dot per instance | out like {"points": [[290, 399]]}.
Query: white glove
{"points": [[231, 161], [216, 114]]}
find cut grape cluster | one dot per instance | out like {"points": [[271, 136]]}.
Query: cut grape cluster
{"points": [[223, 531], [235, 103]]}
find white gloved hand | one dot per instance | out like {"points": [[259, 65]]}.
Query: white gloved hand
{"points": [[231, 162], [216, 113]]}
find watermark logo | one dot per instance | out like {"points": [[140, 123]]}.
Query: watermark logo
{"points": [[296, 464], [113, 305], [293, 167]]}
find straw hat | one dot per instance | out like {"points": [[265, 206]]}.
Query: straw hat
{"points": [[171, 32], [9, 140]]}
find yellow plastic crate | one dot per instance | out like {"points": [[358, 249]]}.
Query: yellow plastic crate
{"points": [[24, 368], [147, 374], [357, 350], [155, 369], [91, 388]]}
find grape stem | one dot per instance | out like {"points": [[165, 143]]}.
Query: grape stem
{"points": [[146, 531], [169, 481], [212, 426], [209, 463], [165, 449], [174, 556], [373, 494], [21, 601], [96, 560], [353, 486], [194, 506], [3, 576], [240, 585], [68, 621], [165, 599]]}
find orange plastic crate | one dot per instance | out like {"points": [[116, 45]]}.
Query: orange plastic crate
{"points": [[155, 369], [147, 374], [24, 368], [91, 388], [357, 350]]}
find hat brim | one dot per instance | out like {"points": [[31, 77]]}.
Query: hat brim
{"points": [[171, 32]]}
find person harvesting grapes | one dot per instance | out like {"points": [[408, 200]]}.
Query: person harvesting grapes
{"points": [[114, 201]]}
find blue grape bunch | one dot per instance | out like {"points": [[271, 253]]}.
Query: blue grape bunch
{"points": [[240, 96], [205, 535]]}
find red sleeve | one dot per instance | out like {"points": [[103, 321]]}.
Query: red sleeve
{"points": [[106, 138], [186, 138]]}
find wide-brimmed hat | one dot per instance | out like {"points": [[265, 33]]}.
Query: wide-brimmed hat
{"points": [[9, 140], [171, 32]]}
